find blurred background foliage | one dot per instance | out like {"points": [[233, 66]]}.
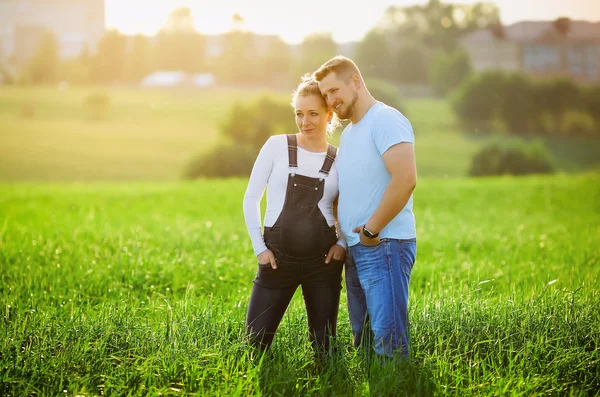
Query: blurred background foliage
{"points": [[171, 105]]}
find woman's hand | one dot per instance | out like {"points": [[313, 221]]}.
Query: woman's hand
{"points": [[267, 258], [336, 252]]}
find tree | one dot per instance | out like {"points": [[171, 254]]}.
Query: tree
{"points": [[411, 64], [316, 49], [439, 25], [449, 70], [180, 46], [276, 62], [591, 102], [180, 51], [498, 31], [557, 96], [477, 100], [109, 64], [385, 92], [373, 55], [237, 22], [139, 60], [238, 63], [43, 67], [518, 108], [180, 20], [562, 28], [77, 70]]}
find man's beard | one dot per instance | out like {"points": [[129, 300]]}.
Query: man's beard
{"points": [[349, 111]]}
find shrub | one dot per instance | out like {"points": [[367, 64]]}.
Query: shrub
{"points": [[477, 99], [245, 131], [520, 105], [518, 109], [578, 123], [591, 102], [552, 98], [449, 70], [277, 113], [558, 95], [251, 124], [513, 157], [566, 108], [97, 106], [385, 92], [546, 123], [225, 160]]}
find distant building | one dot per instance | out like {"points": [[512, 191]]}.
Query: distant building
{"points": [[539, 48], [170, 79], [78, 25]]}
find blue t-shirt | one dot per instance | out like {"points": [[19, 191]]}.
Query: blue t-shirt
{"points": [[362, 175]]}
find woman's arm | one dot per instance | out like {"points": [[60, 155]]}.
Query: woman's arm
{"points": [[338, 250], [254, 193], [341, 239]]}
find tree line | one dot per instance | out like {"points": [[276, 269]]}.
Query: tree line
{"points": [[411, 45], [519, 105]]}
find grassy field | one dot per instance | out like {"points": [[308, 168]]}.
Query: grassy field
{"points": [[147, 135], [142, 289], [150, 135]]}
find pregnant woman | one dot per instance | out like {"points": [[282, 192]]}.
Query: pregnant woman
{"points": [[299, 246]]}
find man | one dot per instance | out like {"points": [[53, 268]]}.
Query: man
{"points": [[377, 175]]}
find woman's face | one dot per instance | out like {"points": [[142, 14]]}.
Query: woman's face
{"points": [[312, 116]]}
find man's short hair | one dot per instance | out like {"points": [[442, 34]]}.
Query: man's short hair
{"points": [[343, 67]]}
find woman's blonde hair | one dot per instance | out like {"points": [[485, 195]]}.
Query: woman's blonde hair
{"points": [[308, 86]]}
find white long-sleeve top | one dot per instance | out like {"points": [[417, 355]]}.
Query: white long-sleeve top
{"points": [[272, 168]]}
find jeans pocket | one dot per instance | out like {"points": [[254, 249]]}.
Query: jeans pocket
{"points": [[379, 244], [408, 251]]}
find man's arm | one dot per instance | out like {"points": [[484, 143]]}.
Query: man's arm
{"points": [[400, 163]]}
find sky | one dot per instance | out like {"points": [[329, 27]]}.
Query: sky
{"points": [[293, 20]]}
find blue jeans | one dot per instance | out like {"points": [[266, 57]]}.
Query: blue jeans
{"points": [[377, 280]]}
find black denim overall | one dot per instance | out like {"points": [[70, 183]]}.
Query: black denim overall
{"points": [[300, 240]]}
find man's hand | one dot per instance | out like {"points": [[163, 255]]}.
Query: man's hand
{"points": [[266, 258], [336, 252], [364, 239]]}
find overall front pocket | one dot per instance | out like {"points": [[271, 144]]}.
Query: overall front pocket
{"points": [[304, 196]]}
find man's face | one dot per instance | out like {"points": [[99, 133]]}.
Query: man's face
{"points": [[340, 96]]}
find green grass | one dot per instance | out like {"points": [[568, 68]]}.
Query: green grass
{"points": [[147, 134], [142, 289], [150, 135]]}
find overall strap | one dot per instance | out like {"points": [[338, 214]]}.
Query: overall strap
{"points": [[292, 151], [329, 159]]}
